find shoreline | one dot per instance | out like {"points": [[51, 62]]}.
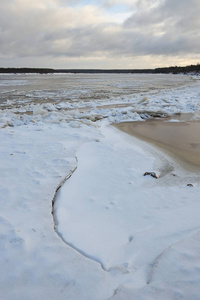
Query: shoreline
{"points": [[177, 136]]}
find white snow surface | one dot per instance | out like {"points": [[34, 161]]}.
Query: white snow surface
{"points": [[114, 233]]}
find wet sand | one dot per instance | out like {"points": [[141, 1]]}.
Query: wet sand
{"points": [[179, 139]]}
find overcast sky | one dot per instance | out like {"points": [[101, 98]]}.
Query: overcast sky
{"points": [[99, 33]]}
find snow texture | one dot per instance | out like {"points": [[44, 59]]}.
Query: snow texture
{"points": [[78, 219]]}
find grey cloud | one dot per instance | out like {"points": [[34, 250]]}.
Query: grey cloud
{"points": [[164, 27], [171, 27]]}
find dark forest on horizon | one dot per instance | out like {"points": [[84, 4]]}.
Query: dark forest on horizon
{"points": [[164, 70]]}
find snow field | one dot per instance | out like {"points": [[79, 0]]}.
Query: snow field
{"points": [[127, 236]]}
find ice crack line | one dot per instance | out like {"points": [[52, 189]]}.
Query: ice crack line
{"points": [[59, 186], [160, 256], [55, 222]]}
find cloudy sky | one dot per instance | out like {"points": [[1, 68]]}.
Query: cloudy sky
{"points": [[99, 33]]}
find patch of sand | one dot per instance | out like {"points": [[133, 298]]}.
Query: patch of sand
{"points": [[180, 139]]}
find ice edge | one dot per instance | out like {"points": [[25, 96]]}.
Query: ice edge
{"points": [[94, 259]]}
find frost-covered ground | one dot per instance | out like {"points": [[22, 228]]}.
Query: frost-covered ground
{"points": [[119, 235]]}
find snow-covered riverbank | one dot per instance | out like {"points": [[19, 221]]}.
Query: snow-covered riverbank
{"points": [[128, 236]]}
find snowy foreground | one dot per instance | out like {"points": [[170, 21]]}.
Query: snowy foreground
{"points": [[114, 233]]}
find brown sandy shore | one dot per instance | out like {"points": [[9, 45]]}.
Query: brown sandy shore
{"points": [[180, 139]]}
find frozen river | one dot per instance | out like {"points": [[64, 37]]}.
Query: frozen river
{"points": [[117, 97], [26, 89]]}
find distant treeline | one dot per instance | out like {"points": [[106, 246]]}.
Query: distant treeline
{"points": [[167, 70], [26, 70], [176, 70]]}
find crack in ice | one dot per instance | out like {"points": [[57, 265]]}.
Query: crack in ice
{"points": [[55, 222], [159, 257]]}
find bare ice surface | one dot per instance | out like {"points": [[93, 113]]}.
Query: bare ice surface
{"points": [[114, 233]]}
